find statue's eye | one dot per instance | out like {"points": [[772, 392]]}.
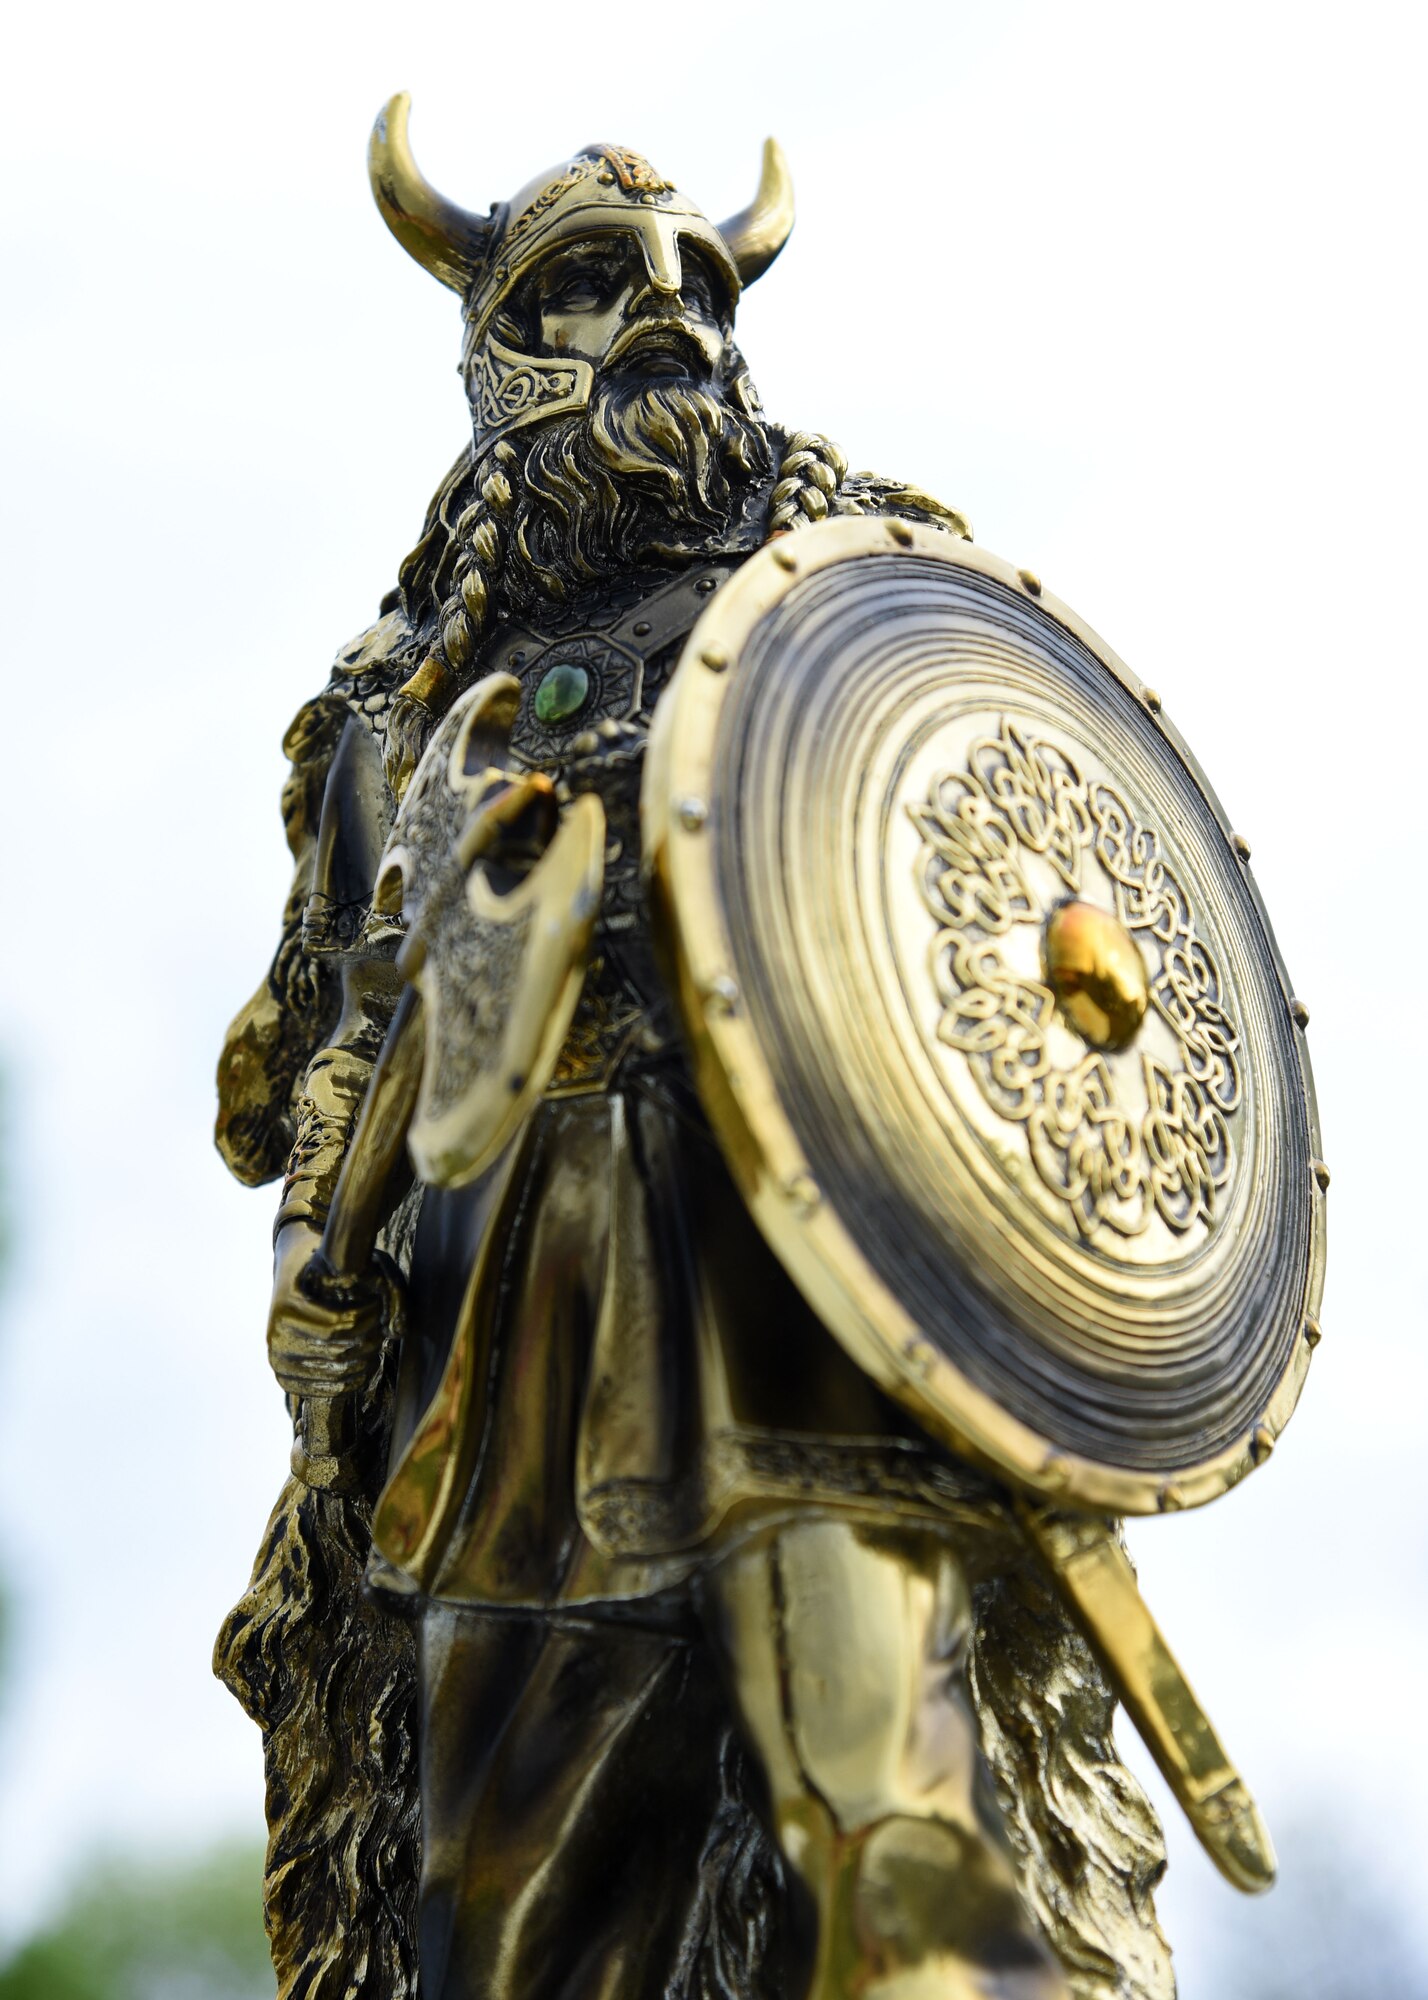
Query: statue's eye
{"points": [[578, 293]]}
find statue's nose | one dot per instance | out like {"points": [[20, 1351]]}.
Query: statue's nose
{"points": [[656, 296]]}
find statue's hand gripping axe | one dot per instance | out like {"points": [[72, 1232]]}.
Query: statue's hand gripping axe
{"points": [[495, 887]]}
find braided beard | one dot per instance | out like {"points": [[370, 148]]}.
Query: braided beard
{"points": [[651, 473]]}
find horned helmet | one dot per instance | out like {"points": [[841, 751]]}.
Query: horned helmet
{"points": [[603, 191]]}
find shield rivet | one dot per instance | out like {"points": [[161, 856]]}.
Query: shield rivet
{"points": [[1313, 1332], [1321, 1175], [1261, 1444], [1030, 582], [692, 814], [804, 1192], [1171, 1498], [1299, 1013], [722, 995], [901, 533], [1151, 700], [1240, 845], [715, 658], [784, 557]]}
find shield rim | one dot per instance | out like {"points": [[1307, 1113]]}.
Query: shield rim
{"points": [[738, 1092]]}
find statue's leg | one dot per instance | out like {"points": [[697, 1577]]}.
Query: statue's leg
{"points": [[844, 1645], [570, 1772]]}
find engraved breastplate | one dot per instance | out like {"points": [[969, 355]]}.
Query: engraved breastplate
{"points": [[589, 683]]}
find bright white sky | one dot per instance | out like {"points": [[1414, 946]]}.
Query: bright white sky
{"points": [[1136, 287]]}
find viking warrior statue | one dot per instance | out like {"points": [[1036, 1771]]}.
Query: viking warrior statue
{"points": [[792, 1124]]}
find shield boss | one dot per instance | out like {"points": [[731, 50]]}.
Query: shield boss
{"points": [[987, 1016]]}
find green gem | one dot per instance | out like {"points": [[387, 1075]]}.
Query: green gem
{"points": [[562, 692]]}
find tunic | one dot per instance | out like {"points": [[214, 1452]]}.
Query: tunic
{"points": [[628, 1379], [607, 1377]]}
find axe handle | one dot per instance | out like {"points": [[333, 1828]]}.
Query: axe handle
{"points": [[360, 1203]]}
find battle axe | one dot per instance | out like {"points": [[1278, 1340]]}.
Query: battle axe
{"points": [[485, 874]]}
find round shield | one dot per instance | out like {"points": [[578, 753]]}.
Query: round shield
{"points": [[987, 1016]]}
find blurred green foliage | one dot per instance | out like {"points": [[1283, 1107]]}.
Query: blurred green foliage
{"points": [[153, 1931]]}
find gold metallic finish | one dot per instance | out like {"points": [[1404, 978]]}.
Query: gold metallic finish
{"points": [[723, 994], [1092, 1569], [853, 1097], [1140, 1254], [882, 1820], [448, 241], [608, 188], [1095, 969], [757, 233], [487, 1068], [430, 684], [1299, 1013], [417, 1507], [1321, 1175], [1240, 845], [322, 1454]]}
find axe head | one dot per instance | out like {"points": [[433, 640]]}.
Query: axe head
{"points": [[497, 890]]}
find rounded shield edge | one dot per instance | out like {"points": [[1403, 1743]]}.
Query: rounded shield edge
{"points": [[741, 1101]]}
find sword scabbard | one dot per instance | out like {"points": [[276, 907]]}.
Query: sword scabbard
{"points": [[1095, 1578]]}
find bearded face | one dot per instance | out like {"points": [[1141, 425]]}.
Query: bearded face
{"points": [[668, 460]]}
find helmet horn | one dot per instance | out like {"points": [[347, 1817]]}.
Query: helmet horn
{"points": [[757, 233], [448, 241]]}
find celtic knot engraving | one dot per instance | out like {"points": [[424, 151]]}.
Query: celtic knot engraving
{"points": [[1005, 839], [1038, 789], [508, 388]]}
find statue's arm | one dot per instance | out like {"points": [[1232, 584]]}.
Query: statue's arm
{"points": [[870, 493], [298, 1058], [328, 1348], [271, 1038]]}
